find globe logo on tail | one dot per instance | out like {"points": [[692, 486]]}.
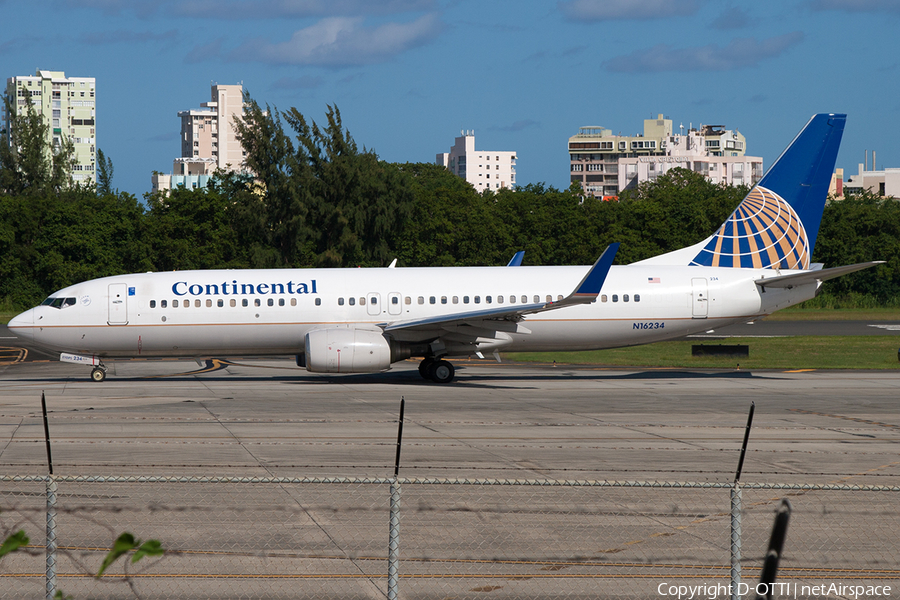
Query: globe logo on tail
{"points": [[763, 232]]}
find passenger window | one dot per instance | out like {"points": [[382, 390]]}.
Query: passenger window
{"points": [[477, 299], [432, 300], [352, 301], [395, 300], [340, 301], [625, 298], [549, 298], [162, 304], [270, 302], [407, 300], [465, 299], [559, 297], [152, 304], [232, 303], [455, 299], [421, 300], [603, 298], [615, 298], [443, 299], [499, 299], [256, 302], [487, 299], [245, 303], [209, 304], [174, 303], [220, 303], [512, 299], [525, 299], [318, 302], [293, 302], [637, 297], [372, 300], [196, 304], [362, 301], [281, 302]]}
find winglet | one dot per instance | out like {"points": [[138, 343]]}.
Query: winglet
{"points": [[589, 288], [516, 260]]}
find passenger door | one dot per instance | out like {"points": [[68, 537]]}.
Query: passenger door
{"points": [[700, 294], [118, 304]]}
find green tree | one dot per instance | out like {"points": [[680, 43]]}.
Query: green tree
{"points": [[326, 202], [104, 174]]}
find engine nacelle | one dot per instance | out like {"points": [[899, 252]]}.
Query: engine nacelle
{"points": [[340, 350]]}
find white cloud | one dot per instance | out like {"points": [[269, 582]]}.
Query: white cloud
{"points": [[343, 41], [612, 10], [739, 53]]}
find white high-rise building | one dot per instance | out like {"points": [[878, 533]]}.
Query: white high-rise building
{"points": [[484, 169], [208, 140], [68, 106]]}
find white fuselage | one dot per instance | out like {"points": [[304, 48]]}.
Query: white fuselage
{"points": [[268, 312]]}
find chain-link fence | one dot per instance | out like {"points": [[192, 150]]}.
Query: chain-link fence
{"points": [[335, 538]]}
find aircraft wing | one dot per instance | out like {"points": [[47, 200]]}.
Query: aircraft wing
{"points": [[789, 281], [585, 292]]}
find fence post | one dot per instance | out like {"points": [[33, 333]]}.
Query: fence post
{"points": [[735, 541], [736, 513], [394, 535], [51, 544], [394, 542]]}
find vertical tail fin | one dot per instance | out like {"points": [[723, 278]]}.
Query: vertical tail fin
{"points": [[777, 223]]}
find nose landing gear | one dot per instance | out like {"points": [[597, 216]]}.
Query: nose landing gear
{"points": [[98, 373]]}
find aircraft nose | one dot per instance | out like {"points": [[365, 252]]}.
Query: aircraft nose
{"points": [[23, 325]]}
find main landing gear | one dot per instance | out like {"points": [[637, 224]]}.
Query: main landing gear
{"points": [[98, 373], [438, 371]]}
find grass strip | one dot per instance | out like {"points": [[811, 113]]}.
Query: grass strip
{"points": [[782, 353]]}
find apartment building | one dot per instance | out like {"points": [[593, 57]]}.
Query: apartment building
{"points": [[208, 140], [605, 164], [484, 169], [68, 106]]}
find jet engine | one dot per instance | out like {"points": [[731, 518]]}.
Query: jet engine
{"points": [[348, 350]]}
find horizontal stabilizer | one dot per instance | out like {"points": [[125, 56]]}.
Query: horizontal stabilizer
{"points": [[807, 277]]}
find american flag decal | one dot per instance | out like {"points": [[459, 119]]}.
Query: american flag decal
{"points": [[653, 280]]}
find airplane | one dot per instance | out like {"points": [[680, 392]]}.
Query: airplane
{"points": [[364, 320]]}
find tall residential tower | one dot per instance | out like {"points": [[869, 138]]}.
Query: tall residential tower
{"points": [[484, 169], [68, 106], [208, 140]]}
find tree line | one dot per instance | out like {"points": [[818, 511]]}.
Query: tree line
{"points": [[319, 200]]}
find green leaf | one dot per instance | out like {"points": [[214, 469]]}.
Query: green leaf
{"points": [[123, 544], [13, 543], [148, 548]]}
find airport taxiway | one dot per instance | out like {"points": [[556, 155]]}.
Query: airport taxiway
{"points": [[267, 417]]}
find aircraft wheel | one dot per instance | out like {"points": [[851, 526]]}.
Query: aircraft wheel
{"points": [[442, 372], [424, 367], [98, 374]]}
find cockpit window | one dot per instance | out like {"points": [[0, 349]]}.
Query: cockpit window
{"points": [[58, 302]]}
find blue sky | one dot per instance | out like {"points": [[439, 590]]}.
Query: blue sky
{"points": [[408, 75]]}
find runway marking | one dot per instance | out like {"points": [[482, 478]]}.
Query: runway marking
{"points": [[800, 371], [10, 355]]}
